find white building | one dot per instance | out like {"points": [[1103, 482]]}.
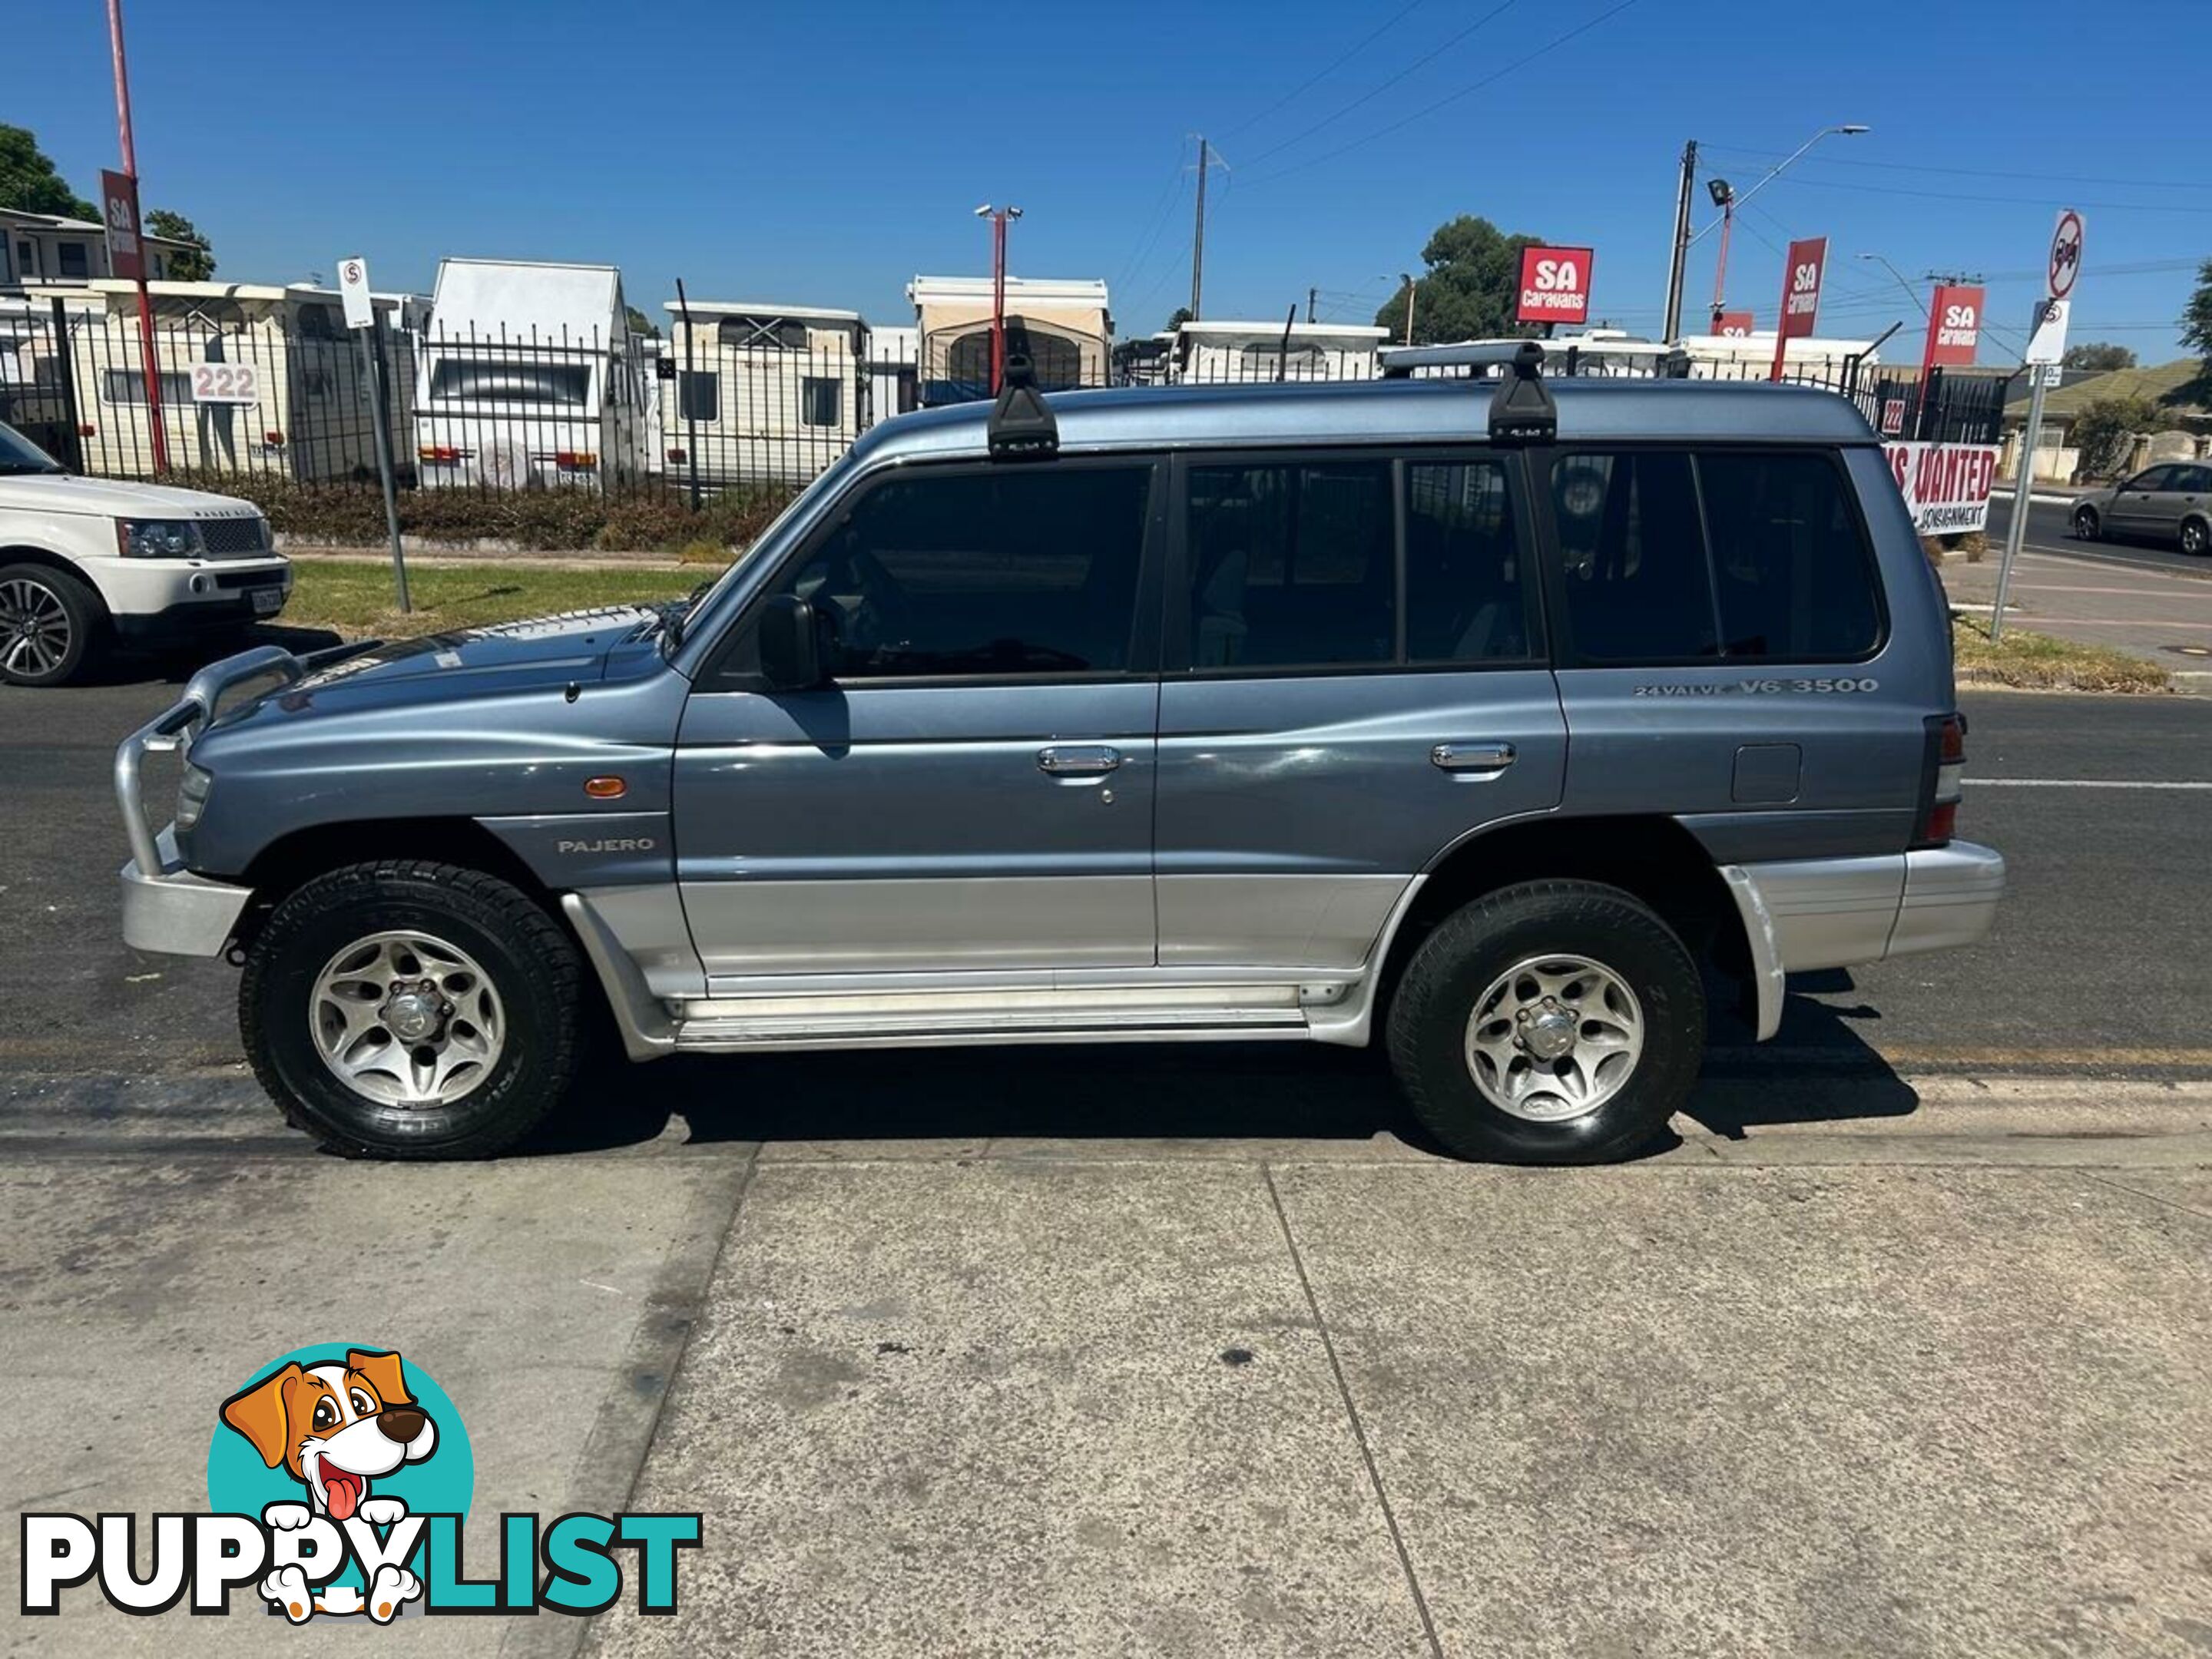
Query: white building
{"points": [[38, 249]]}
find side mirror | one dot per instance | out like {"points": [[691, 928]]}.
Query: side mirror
{"points": [[790, 645]]}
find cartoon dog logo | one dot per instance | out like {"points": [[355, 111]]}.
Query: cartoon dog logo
{"points": [[335, 1427]]}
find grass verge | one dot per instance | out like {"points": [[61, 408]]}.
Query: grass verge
{"points": [[2038, 662], [355, 599]]}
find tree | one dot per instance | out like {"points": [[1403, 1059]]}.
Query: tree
{"points": [[640, 324], [2197, 321], [2099, 354], [1181, 315], [2104, 432], [29, 180], [1469, 289], [195, 263]]}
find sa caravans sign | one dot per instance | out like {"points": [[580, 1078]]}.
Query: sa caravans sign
{"points": [[1555, 285]]}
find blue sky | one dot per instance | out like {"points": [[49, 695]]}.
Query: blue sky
{"points": [[825, 154]]}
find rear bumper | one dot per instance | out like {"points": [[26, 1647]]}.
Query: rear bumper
{"points": [[175, 912], [1836, 912]]}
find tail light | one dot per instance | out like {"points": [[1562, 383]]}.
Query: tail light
{"points": [[574, 460], [441, 454], [274, 439], [1943, 773], [88, 430], [676, 456]]}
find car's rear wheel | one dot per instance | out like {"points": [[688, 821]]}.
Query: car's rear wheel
{"points": [[2196, 538], [1556, 1022], [50, 623], [411, 1010], [2087, 525]]}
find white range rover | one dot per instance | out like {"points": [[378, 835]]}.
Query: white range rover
{"points": [[89, 562]]}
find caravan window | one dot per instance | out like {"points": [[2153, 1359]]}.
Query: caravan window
{"points": [[73, 259], [699, 395], [819, 401], [477, 380], [316, 323], [128, 385]]}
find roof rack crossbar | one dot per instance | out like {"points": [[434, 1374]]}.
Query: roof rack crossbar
{"points": [[1399, 362], [1021, 427]]}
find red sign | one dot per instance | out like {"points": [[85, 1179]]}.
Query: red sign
{"points": [[119, 194], [1734, 325], [2065, 255], [1954, 326], [1555, 285], [1892, 417], [1801, 294]]}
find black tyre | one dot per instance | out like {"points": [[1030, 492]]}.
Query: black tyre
{"points": [[411, 1010], [2196, 538], [2088, 526], [1556, 1022], [51, 625]]}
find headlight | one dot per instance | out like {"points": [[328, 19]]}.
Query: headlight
{"points": [[192, 795], [157, 539]]}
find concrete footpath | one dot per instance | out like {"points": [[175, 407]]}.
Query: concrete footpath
{"points": [[1929, 1373], [2086, 596]]}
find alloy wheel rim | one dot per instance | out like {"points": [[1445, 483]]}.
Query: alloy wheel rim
{"points": [[2085, 524], [1553, 1038], [405, 1018], [35, 627], [2192, 538]]}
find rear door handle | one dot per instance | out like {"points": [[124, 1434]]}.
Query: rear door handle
{"points": [[1077, 760], [1481, 758]]}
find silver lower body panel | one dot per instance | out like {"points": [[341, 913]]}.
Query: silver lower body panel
{"points": [[175, 912], [1808, 914]]}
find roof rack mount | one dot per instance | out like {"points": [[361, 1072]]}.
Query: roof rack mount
{"points": [[1021, 427]]}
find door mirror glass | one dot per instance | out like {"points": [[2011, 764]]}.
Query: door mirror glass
{"points": [[790, 644]]}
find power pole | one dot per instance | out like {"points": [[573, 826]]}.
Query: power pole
{"points": [[1310, 294], [1198, 237], [1406, 276], [1674, 328]]}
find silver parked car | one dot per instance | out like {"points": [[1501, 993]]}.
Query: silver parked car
{"points": [[2171, 502], [1435, 714]]}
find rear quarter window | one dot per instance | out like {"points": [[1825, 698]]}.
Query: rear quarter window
{"points": [[1792, 567]]}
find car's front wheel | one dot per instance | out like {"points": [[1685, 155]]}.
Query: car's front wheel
{"points": [[49, 624], [2087, 526], [1555, 1021], [2196, 538], [411, 1010]]}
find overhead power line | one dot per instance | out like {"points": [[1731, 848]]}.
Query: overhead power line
{"points": [[1468, 91], [1314, 80], [1373, 93], [1800, 180]]}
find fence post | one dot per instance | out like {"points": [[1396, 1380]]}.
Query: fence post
{"points": [[65, 366], [684, 395]]}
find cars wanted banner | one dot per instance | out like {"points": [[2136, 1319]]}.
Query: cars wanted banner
{"points": [[1945, 486]]}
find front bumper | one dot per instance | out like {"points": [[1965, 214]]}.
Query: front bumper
{"points": [[165, 906], [1836, 912], [176, 912]]}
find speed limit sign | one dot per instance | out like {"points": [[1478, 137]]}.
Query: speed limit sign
{"points": [[2065, 255]]}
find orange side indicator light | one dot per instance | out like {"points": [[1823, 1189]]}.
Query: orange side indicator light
{"points": [[607, 788]]}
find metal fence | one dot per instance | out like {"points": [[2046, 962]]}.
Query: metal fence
{"points": [[277, 388]]}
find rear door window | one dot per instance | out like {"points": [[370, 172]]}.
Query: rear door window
{"points": [[1790, 563], [1468, 597], [1291, 565]]}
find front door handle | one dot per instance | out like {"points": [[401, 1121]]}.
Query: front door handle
{"points": [[1484, 759], [1077, 760]]}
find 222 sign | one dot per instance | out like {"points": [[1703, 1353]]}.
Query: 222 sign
{"points": [[226, 383]]}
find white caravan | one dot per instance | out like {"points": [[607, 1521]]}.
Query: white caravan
{"points": [[529, 375]]}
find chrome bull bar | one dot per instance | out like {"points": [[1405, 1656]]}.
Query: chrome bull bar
{"points": [[174, 727]]}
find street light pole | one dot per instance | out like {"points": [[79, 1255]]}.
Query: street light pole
{"points": [[1725, 196], [1848, 129], [998, 216]]}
